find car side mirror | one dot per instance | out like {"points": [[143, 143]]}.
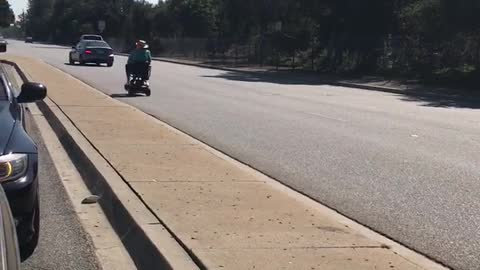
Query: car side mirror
{"points": [[3, 48], [32, 92]]}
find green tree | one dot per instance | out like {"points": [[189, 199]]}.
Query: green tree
{"points": [[335, 35], [441, 34], [6, 14], [194, 18], [38, 19]]}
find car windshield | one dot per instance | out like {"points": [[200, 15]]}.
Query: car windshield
{"points": [[97, 44]]}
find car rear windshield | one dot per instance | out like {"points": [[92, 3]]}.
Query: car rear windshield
{"points": [[97, 44], [92, 37]]}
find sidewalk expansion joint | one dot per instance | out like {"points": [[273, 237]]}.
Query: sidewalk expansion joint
{"points": [[154, 223]]}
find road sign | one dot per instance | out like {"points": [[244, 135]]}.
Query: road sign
{"points": [[278, 26], [101, 26]]}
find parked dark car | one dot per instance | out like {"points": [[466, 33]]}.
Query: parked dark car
{"points": [[9, 254], [92, 51], [3, 44], [19, 161], [29, 40]]}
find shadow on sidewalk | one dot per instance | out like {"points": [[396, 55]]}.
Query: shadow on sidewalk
{"points": [[409, 91]]}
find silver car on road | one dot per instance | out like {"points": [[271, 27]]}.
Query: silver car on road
{"points": [[91, 51]]}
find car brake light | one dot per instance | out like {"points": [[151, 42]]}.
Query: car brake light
{"points": [[88, 52]]}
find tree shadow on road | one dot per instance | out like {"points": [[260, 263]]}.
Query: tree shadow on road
{"points": [[410, 91], [289, 78], [440, 99]]}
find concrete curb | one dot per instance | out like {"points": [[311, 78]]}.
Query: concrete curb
{"points": [[136, 237], [117, 214]]}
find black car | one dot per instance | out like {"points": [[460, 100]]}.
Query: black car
{"points": [[19, 161], [29, 40], [3, 44], [91, 51], [9, 253]]}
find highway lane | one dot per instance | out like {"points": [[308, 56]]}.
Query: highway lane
{"points": [[403, 165]]}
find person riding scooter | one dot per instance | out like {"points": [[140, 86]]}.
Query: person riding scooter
{"points": [[139, 62]]}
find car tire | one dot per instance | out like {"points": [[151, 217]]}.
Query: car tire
{"points": [[109, 64], [80, 60], [27, 249], [70, 60]]}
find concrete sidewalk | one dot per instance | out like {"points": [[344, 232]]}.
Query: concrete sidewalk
{"points": [[226, 215]]}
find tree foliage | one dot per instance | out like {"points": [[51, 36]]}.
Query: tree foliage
{"points": [[330, 34], [6, 14], [39, 18]]}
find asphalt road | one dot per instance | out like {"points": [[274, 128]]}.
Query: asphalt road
{"points": [[404, 165], [63, 243]]}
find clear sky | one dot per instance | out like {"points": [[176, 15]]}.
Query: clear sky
{"points": [[19, 5]]}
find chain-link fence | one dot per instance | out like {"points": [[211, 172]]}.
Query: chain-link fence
{"points": [[395, 54], [259, 51]]}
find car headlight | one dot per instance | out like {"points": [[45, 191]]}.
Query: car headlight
{"points": [[13, 167]]}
